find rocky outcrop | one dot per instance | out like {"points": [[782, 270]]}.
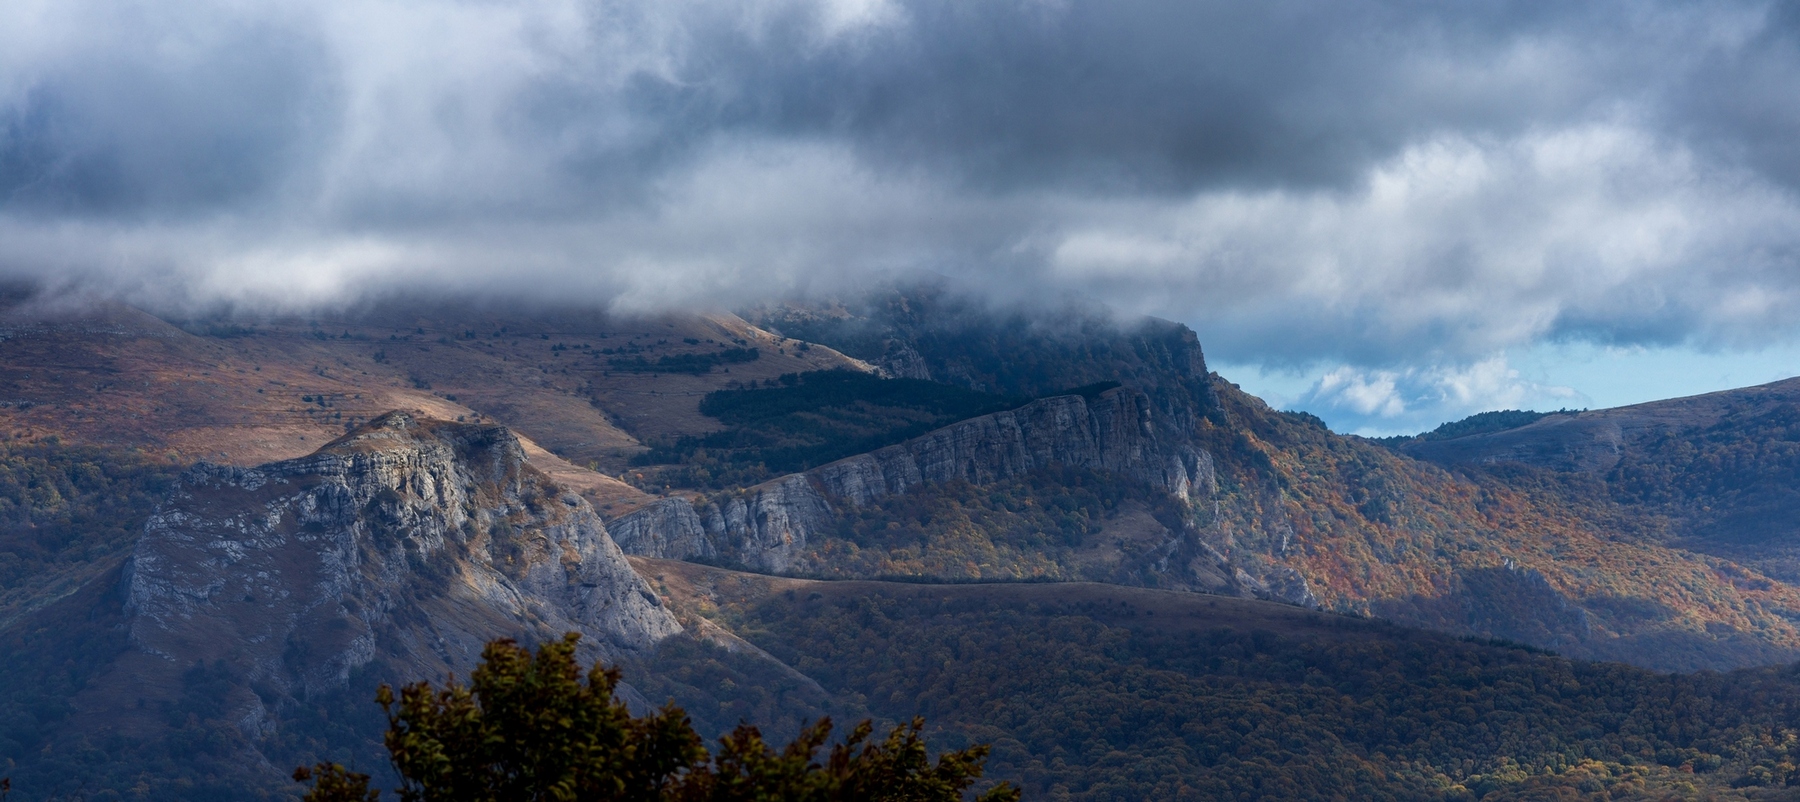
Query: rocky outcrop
{"points": [[665, 528], [768, 527], [409, 543], [1113, 432]]}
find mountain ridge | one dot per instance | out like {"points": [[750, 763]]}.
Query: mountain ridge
{"points": [[464, 530], [1592, 441], [397, 551], [1293, 512]]}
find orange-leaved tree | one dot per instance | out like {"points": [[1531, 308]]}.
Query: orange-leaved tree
{"points": [[531, 728]]}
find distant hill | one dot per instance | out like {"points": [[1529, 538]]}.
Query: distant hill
{"points": [[1717, 473], [1478, 423]]}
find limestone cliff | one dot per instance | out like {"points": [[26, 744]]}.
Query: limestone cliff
{"points": [[769, 527], [408, 543], [664, 527], [1113, 432]]}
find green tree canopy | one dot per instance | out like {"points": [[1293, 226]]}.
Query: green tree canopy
{"points": [[531, 727]]}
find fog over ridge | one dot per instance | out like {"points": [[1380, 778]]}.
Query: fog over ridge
{"points": [[1396, 188]]}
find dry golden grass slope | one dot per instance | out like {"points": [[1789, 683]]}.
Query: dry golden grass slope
{"points": [[245, 392]]}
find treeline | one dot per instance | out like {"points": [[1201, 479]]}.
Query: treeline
{"points": [[803, 420], [1478, 423], [809, 419], [685, 363], [1082, 702]]}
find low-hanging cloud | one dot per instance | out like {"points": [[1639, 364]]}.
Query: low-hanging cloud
{"points": [[1383, 184]]}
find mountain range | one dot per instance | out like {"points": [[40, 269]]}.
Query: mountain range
{"points": [[218, 534]]}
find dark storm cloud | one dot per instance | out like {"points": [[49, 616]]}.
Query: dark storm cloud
{"points": [[1136, 95], [1387, 184], [117, 126], [1738, 103]]}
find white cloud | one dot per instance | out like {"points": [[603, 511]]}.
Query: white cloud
{"points": [[1371, 394], [1386, 402], [1460, 247]]}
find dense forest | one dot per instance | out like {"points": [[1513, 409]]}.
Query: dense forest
{"points": [[803, 420], [1112, 699], [684, 363], [1731, 481]]}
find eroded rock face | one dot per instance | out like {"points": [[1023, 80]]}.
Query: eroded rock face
{"points": [[663, 528], [768, 527], [1114, 433], [411, 542]]}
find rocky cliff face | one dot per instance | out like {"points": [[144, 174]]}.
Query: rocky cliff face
{"points": [[769, 527], [1112, 432], [666, 527], [408, 543]]}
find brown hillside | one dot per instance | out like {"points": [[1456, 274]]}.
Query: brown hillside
{"points": [[1595, 441], [1518, 553], [1716, 473], [246, 392]]}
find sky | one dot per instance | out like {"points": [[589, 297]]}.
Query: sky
{"points": [[1390, 214]]}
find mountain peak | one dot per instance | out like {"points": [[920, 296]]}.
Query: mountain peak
{"points": [[400, 548], [397, 428]]}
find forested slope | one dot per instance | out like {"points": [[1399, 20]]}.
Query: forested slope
{"points": [[1717, 473], [1104, 692]]}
